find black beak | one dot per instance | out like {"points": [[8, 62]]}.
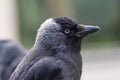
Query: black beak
{"points": [[86, 29]]}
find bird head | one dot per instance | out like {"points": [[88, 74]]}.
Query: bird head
{"points": [[63, 30], [71, 28]]}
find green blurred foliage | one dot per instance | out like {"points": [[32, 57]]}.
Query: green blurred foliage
{"points": [[104, 13]]}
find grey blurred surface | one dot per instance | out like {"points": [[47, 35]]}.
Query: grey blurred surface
{"points": [[101, 64]]}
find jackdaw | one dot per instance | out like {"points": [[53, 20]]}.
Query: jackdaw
{"points": [[56, 52], [10, 55]]}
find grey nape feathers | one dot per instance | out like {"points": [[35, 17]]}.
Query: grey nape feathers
{"points": [[10, 55], [56, 52]]}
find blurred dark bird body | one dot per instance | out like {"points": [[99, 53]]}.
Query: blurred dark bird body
{"points": [[10, 56], [55, 54]]}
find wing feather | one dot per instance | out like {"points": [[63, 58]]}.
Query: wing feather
{"points": [[44, 69]]}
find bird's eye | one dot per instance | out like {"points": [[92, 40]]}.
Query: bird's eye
{"points": [[67, 31]]}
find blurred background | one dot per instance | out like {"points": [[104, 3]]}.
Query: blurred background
{"points": [[20, 19]]}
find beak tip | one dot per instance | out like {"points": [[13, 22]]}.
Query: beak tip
{"points": [[97, 27]]}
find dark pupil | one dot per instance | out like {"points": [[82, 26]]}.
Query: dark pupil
{"points": [[67, 31]]}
